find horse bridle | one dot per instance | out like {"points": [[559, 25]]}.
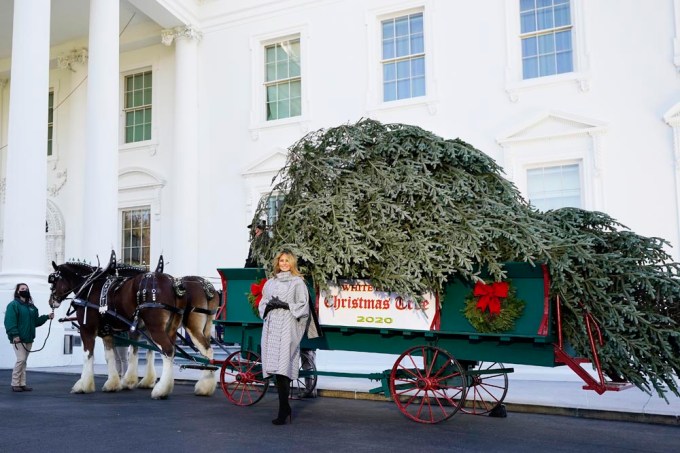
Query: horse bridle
{"points": [[76, 289]]}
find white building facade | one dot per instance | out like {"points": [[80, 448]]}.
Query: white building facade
{"points": [[155, 126]]}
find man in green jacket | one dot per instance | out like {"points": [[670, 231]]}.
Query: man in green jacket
{"points": [[21, 319]]}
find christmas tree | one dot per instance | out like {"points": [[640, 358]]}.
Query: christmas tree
{"points": [[410, 210]]}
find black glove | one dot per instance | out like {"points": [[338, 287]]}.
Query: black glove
{"points": [[273, 304]]}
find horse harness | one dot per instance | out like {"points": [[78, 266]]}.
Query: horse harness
{"points": [[146, 297]]}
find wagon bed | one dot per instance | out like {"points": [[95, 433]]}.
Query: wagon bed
{"points": [[439, 371]]}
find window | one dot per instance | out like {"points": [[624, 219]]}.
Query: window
{"points": [[136, 236], [546, 35], [283, 81], [138, 107], [274, 203], [50, 121], [403, 57], [554, 187]]}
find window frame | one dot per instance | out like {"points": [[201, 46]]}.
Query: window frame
{"points": [[140, 188], [553, 164], [375, 102], [258, 108], [397, 59], [553, 31], [122, 211], [127, 110], [580, 77], [279, 82], [152, 143]]}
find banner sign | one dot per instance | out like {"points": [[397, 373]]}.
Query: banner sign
{"points": [[355, 303]]}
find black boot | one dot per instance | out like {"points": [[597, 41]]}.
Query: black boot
{"points": [[285, 412]]}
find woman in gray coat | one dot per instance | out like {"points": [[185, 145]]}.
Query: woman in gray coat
{"points": [[285, 310]]}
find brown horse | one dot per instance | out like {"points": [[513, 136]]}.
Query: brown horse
{"points": [[202, 303], [105, 304]]}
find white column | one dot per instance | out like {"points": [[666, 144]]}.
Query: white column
{"points": [[101, 159], [184, 259], [26, 176], [74, 110]]}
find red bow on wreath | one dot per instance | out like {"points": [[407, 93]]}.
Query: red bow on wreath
{"points": [[256, 291], [490, 296]]}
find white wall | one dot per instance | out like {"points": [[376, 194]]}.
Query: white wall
{"points": [[613, 109]]}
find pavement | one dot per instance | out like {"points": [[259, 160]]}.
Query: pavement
{"points": [[541, 390]]}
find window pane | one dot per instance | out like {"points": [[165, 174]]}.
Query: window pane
{"points": [[295, 107], [282, 69], [546, 44], [562, 15], [546, 65], [147, 96], [544, 19], [270, 69], [389, 72], [418, 67], [401, 26], [284, 91], [563, 40], [417, 44], [284, 108], [564, 62], [402, 46], [530, 68], [554, 187], [272, 112], [388, 29], [417, 23], [296, 89], [270, 54], [418, 88], [403, 89], [529, 47], [388, 49], [403, 69], [526, 4], [527, 22], [390, 91], [272, 93]]}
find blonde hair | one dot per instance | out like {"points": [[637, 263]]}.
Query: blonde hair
{"points": [[293, 263]]}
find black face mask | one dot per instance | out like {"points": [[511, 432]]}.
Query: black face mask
{"points": [[25, 294]]}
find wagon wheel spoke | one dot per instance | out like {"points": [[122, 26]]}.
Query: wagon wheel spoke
{"points": [[305, 384], [241, 378], [427, 384], [488, 388]]}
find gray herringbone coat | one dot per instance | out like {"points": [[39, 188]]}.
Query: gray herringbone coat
{"points": [[283, 330]]}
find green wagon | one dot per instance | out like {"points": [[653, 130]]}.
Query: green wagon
{"points": [[449, 367]]}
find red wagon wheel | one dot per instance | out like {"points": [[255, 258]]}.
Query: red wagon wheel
{"points": [[487, 386], [427, 384], [241, 378]]}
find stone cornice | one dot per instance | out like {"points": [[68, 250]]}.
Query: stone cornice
{"points": [[184, 32]]}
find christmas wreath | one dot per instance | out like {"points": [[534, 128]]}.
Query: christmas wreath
{"points": [[255, 296], [493, 307]]}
